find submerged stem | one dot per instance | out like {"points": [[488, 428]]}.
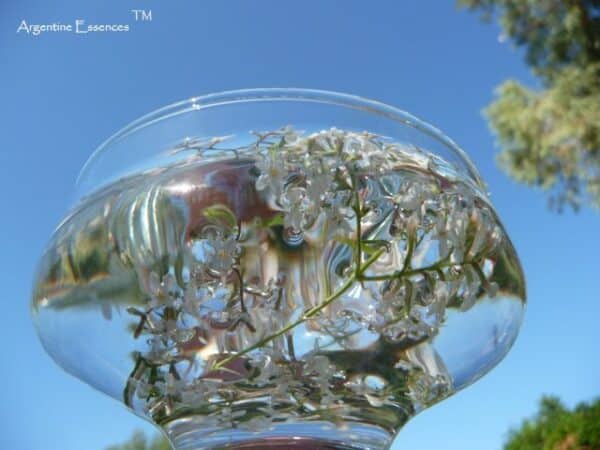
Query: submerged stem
{"points": [[307, 315]]}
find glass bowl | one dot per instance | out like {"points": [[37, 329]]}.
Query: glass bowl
{"points": [[281, 268]]}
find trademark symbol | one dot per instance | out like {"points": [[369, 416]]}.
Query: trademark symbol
{"points": [[142, 15]]}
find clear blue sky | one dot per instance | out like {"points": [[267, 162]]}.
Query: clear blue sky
{"points": [[61, 95]]}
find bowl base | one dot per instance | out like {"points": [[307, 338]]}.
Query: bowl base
{"points": [[191, 433]]}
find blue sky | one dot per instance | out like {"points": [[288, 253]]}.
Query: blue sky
{"points": [[62, 94]]}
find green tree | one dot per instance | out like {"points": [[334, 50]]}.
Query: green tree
{"points": [[550, 137], [555, 427], [139, 442]]}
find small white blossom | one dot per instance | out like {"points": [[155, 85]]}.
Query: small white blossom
{"points": [[218, 255], [272, 172], [198, 144], [432, 244], [171, 385]]}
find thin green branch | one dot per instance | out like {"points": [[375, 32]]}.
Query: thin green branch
{"points": [[307, 315], [136, 373], [407, 273], [358, 215]]}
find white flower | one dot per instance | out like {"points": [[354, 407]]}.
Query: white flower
{"points": [[163, 292], [430, 231], [435, 311], [290, 135], [425, 389], [363, 152], [318, 365], [198, 144], [157, 349], [272, 172], [328, 140], [171, 385], [412, 329], [198, 391], [218, 255], [193, 395], [298, 209], [413, 194], [352, 148], [339, 216], [319, 185], [193, 299], [142, 390]]}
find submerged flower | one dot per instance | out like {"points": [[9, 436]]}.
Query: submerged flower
{"points": [[171, 385], [272, 172], [352, 200], [164, 291], [300, 211], [218, 255], [194, 297]]}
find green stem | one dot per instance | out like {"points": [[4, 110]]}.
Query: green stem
{"points": [[136, 373], [407, 273], [482, 278], [307, 315], [409, 253], [358, 214]]}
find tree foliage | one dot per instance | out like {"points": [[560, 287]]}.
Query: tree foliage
{"points": [[140, 442], [550, 138], [555, 427]]}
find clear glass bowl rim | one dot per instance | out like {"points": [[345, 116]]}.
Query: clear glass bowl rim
{"points": [[350, 101]]}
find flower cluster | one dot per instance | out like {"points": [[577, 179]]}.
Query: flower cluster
{"points": [[391, 245]]}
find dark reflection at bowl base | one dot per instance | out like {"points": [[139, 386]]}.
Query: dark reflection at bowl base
{"points": [[188, 434]]}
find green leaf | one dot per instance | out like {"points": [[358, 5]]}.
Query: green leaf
{"points": [[221, 215]]}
